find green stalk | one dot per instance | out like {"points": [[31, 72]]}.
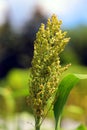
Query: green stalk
{"points": [[37, 123], [59, 123], [58, 126]]}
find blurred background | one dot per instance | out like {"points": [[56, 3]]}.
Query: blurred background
{"points": [[19, 22]]}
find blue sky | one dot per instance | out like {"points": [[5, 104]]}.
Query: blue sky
{"points": [[72, 12]]}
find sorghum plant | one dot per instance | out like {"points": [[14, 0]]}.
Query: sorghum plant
{"points": [[46, 69]]}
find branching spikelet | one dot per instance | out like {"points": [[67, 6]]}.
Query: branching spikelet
{"points": [[46, 69]]}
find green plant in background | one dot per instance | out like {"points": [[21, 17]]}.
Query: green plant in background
{"points": [[13, 88], [46, 71], [82, 127], [17, 79], [7, 106]]}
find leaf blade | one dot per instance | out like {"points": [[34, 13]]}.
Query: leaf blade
{"points": [[66, 85]]}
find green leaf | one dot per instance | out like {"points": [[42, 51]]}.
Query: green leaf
{"points": [[64, 88]]}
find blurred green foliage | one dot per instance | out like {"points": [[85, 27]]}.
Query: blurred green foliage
{"points": [[76, 51], [17, 79], [82, 127], [79, 43], [7, 103], [14, 92]]}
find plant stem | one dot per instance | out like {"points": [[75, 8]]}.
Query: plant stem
{"points": [[57, 127], [59, 123], [37, 123]]}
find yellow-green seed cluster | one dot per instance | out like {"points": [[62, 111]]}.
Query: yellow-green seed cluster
{"points": [[46, 69]]}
